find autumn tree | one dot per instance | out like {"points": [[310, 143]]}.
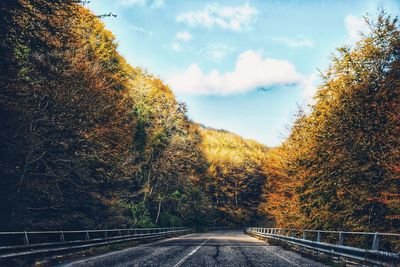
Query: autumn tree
{"points": [[86, 138], [340, 163], [235, 176]]}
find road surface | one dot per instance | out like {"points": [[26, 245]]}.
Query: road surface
{"points": [[218, 248]]}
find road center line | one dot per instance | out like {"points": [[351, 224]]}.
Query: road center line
{"points": [[191, 253]]}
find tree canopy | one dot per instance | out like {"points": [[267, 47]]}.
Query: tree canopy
{"points": [[88, 141], [339, 167]]}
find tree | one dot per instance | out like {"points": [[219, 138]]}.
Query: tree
{"points": [[235, 176], [341, 158]]}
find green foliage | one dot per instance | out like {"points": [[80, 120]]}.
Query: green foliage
{"points": [[339, 168], [87, 141], [141, 216], [235, 176], [22, 55], [168, 219]]}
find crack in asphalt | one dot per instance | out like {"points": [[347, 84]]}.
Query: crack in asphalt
{"points": [[216, 255]]}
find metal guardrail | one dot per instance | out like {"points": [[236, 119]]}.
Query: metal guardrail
{"points": [[14, 244], [375, 248]]}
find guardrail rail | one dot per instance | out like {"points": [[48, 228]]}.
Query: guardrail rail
{"points": [[15, 244], [375, 248]]}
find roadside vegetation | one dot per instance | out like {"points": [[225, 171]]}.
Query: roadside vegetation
{"points": [[88, 141], [339, 168]]}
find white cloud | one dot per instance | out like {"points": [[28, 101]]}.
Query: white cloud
{"points": [[251, 71], [296, 42], [355, 26], [157, 4], [141, 30], [150, 3], [176, 46], [180, 38], [217, 51], [184, 36], [133, 2], [234, 18], [310, 88]]}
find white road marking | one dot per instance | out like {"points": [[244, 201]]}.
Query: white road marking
{"points": [[191, 253], [113, 253]]}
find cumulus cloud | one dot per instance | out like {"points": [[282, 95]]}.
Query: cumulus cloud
{"points": [[233, 18], [355, 26], [295, 42], [157, 3], [150, 3], [176, 46], [217, 51], [309, 85], [251, 71], [184, 36]]}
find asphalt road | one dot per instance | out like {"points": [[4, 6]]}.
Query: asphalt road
{"points": [[219, 248]]}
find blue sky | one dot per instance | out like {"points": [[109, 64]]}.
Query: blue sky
{"points": [[243, 66]]}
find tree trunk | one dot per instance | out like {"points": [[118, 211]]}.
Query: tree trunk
{"points": [[158, 212], [236, 192]]}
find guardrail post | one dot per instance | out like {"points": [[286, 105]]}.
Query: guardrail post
{"points": [[340, 243], [62, 238], [119, 232], [304, 235], [26, 239], [375, 243], [105, 234], [319, 236], [87, 235]]}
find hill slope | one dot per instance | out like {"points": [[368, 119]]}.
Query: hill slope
{"points": [[87, 141]]}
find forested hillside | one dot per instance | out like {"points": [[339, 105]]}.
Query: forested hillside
{"points": [[235, 176], [88, 141], [339, 169]]}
